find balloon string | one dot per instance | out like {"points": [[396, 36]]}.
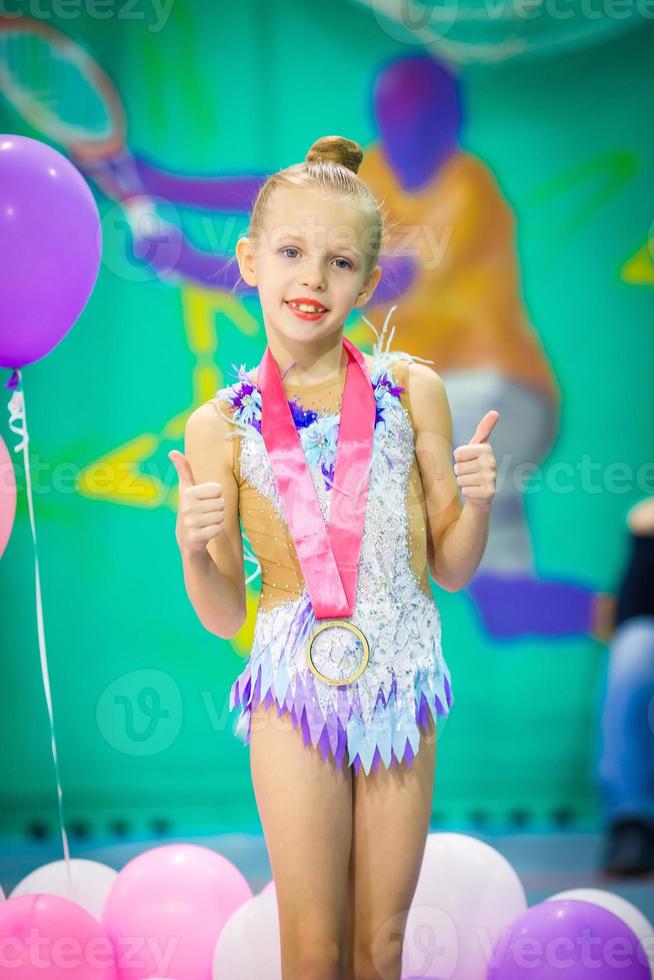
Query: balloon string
{"points": [[17, 414]]}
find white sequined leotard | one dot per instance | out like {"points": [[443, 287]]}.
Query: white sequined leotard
{"points": [[378, 717]]}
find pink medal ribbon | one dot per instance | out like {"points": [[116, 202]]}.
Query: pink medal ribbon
{"points": [[328, 556]]}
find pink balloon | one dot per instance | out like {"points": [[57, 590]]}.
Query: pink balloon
{"points": [[7, 495], [51, 246], [51, 938], [171, 903]]}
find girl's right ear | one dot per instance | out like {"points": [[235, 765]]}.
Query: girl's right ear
{"points": [[245, 259]]}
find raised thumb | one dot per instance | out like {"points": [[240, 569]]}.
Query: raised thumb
{"points": [[485, 427], [183, 467]]}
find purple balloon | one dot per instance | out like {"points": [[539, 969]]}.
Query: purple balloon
{"points": [[568, 938], [50, 248]]}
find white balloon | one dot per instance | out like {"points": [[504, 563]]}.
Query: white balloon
{"points": [[628, 913], [248, 946], [91, 882], [467, 894]]}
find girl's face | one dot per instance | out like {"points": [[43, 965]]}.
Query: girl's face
{"points": [[309, 249]]}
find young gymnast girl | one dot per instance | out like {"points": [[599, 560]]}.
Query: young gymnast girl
{"points": [[339, 467]]}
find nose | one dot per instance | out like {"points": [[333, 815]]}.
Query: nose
{"points": [[313, 275]]}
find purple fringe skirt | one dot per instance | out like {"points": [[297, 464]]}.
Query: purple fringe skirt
{"points": [[391, 738]]}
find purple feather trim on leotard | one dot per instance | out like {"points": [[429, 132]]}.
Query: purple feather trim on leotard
{"points": [[245, 399], [329, 734]]}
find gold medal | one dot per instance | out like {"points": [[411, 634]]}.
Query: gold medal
{"points": [[344, 624]]}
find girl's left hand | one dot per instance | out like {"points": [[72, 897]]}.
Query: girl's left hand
{"points": [[475, 464]]}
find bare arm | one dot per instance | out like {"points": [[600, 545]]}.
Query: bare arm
{"points": [[213, 572], [457, 532]]}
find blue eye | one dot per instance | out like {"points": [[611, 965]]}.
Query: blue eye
{"points": [[292, 248]]}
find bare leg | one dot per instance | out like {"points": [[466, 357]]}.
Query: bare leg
{"points": [[392, 810], [305, 806]]}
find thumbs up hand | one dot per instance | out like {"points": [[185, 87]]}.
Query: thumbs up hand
{"points": [[200, 514], [475, 464]]}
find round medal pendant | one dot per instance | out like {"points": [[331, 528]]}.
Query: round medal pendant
{"points": [[337, 661]]}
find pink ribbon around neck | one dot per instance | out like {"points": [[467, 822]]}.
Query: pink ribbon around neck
{"points": [[328, 556]]}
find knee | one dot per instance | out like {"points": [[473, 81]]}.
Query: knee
{"points": [[312, 960], [378, 962], [632, 649]]}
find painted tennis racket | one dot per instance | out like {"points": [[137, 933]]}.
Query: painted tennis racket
{"points": [[66, 96], [61, 91]]}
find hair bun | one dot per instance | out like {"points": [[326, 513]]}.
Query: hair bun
{"points": [[338, 149]]}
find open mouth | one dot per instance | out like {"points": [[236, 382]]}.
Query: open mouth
{"points": [[307, 311], [307, 307]]}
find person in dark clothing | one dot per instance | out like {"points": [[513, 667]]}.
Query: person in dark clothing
{"points": [[625, 770]]}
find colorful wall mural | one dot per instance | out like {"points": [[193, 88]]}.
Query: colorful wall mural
{"points": [[517, 181]]}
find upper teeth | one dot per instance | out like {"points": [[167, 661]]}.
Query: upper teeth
{"points": [[306, 307]]}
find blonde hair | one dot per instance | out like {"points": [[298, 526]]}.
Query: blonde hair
{"points": [[330, 167]]}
